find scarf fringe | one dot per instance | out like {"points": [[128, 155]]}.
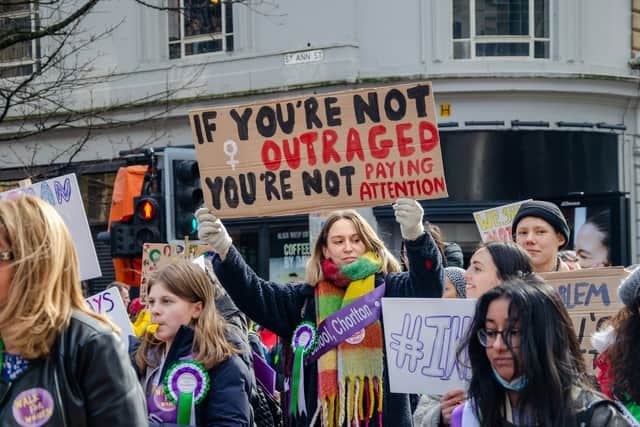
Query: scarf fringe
{"points": [[341, 402], [357, 407], [319, 410], [356, 402]]}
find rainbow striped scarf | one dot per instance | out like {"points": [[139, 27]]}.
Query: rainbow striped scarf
{"points": [[350, 376]]}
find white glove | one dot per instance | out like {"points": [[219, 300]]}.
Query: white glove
{"points": [[408, 214], [211, 231]]}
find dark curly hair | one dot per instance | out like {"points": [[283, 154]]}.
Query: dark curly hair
{"points": [[624, 353]]}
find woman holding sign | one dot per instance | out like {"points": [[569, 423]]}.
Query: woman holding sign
{"points": [[191, 373], [61, 363], [334, 321], [490, 265], [527, 368]]}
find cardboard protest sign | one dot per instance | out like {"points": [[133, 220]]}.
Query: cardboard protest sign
{"points": [[320, 152], [157, 255], [109, 303], [591, 298], [421, 338], [495, 224], [63, 193]]}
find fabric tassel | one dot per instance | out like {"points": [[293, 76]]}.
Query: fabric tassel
{"points": [[371, 399], [314, 419], [367, 402], [380, 404], [349, 402], [332, 411], [360, 393], [342, 398], [352, 398], [357, 406]]}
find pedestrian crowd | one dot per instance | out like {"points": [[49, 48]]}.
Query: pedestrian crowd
{"points": [[197, 358]]}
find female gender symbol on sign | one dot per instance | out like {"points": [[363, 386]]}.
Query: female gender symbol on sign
{"points": [[231, 149]]}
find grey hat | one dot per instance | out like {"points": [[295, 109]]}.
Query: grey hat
{"points": [[629, 289], [456, 275]]}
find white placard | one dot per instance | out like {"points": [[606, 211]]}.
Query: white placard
{"points": [[304, 57], [63, 193], [109, 304], [421, 338], [495, 223]]}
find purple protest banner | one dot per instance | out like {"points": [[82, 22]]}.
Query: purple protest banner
{"points": [[347, 322]]}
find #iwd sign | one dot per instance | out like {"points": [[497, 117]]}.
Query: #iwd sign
{"points": [[347, 149], [63, 193], [421, 338]]}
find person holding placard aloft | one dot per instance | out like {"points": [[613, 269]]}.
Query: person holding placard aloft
{"points": [[61, 364], [334, 321], [526, 363], [191, 374]]}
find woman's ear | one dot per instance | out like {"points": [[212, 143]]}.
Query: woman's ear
{"points": [[196, 309], [325, 252], [561, 239]]}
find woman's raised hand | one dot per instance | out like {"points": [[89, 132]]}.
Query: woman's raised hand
{"points": [[211, 231], [408, 214]]}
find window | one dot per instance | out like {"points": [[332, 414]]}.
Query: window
{"points": [[500, 28], [199, 26], [18, 59]]}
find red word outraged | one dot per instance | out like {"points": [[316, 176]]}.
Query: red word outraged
{"points": [[326, 146]]}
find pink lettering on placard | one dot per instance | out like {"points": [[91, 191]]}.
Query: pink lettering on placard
{"points": [[33, 407]]}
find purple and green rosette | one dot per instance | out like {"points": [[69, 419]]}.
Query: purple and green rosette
{"points": [[186, 383], [303, 342]]}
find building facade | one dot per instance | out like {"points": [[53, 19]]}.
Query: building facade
{"points": [[536, 98]]}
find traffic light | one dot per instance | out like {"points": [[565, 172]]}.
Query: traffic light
{"points": [[187, 198], [145, 226]]}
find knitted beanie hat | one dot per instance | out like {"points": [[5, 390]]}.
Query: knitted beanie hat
{"points": [[456, 276], [546, 211], [629, 289]]}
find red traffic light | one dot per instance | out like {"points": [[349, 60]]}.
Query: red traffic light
{"points": [[147, 209]]}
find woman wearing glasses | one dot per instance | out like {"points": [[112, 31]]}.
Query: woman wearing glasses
{"points": [[526, 363]]}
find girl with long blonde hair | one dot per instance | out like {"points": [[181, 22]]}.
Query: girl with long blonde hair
{"points": [[187, 345]]}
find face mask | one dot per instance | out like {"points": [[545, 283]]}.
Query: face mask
{"points": [[516, 384]]}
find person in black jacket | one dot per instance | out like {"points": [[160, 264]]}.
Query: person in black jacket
{"points": [[348, 261], [191, 373], [63, 365]]}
